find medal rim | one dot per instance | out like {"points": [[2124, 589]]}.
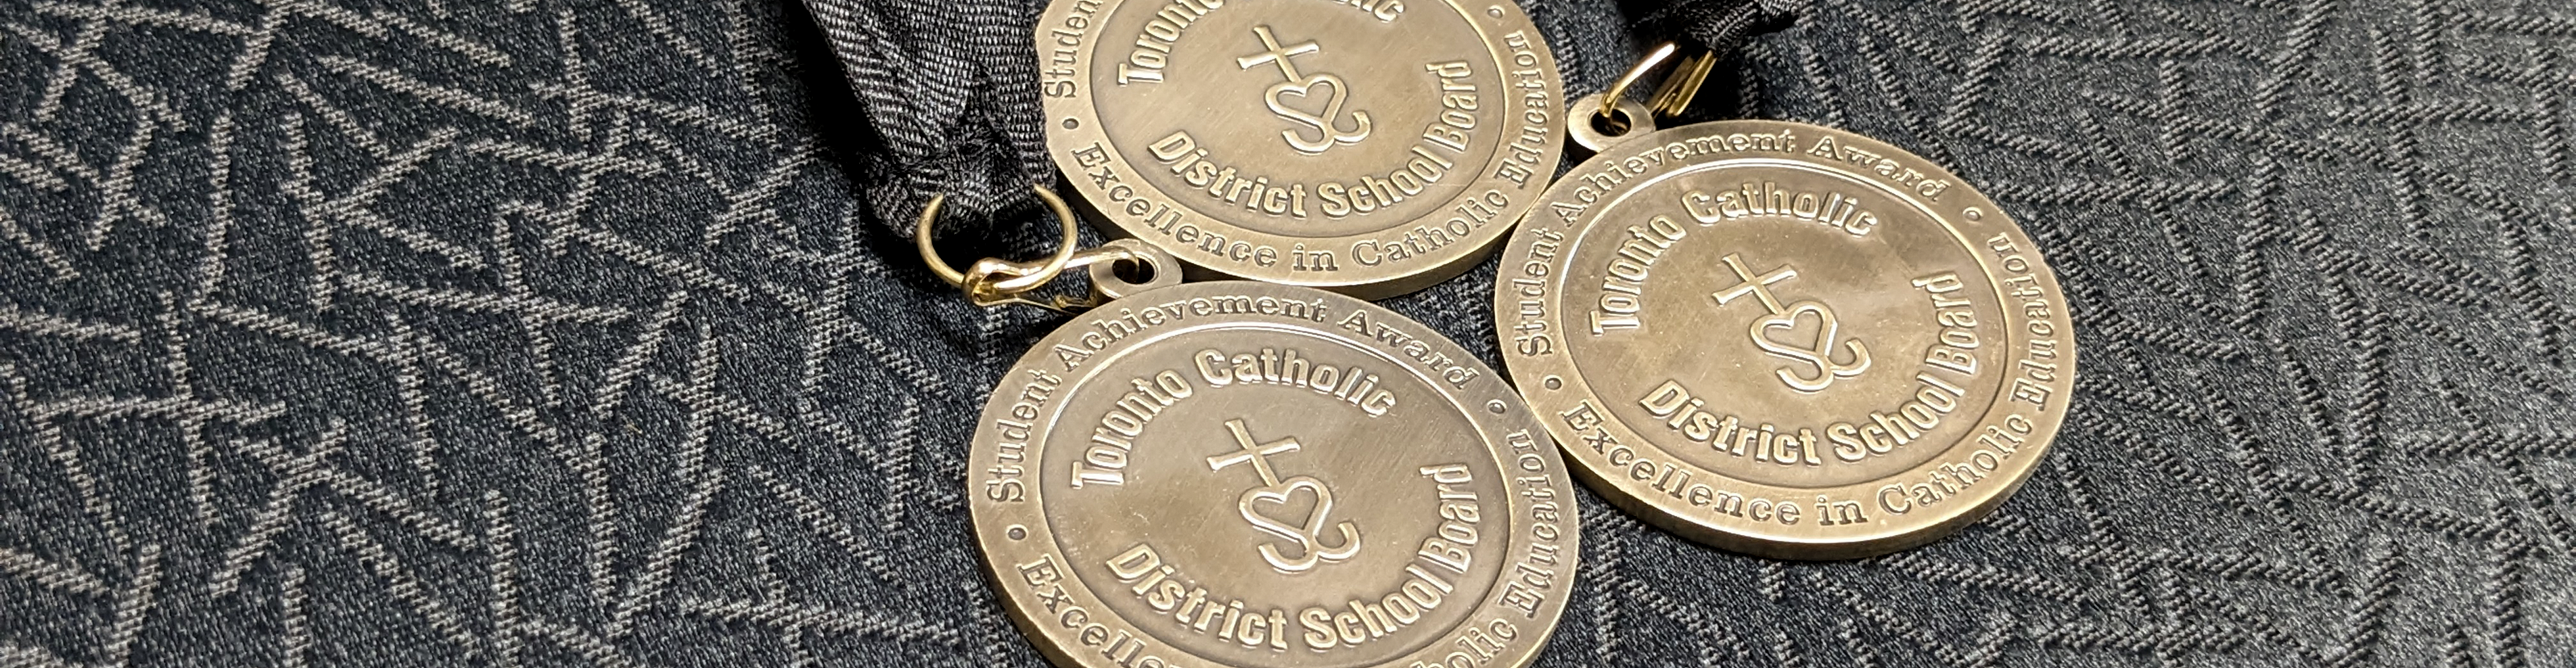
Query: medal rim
{"points": [[1641, 499], [1439, 265], [1063, 647]]}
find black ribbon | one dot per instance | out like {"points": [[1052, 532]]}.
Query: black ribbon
{"points": [[1720, 26], [943, 96], [1713, 26]]}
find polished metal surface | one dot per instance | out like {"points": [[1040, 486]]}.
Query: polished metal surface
{"points": [[1786, 339], [1256, 475], [1370, 147]]}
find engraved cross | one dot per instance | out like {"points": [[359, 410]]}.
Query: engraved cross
{"points": [[1758, 286], [1276, 54], [1252, 452]]}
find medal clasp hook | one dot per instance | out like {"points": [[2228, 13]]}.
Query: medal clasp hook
{"points": [[995, 281], [1619, 89], [1614, 117]]}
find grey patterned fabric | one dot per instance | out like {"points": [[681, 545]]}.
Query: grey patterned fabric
{"points": [[540, 332]]}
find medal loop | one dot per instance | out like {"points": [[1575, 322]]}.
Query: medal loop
{"points": [[1679, 88], [1670, 99], [1017, 277], [1619, 90], [1155, 267], [1618, 118], [995, 281], [1595, 134]]}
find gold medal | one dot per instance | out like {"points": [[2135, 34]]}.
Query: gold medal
{"points": [[1370, 147], [1785, 339], [1244, 474]]}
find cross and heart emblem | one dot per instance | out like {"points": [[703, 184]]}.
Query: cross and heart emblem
{"points": [[1819, 354], [1306, 533], [1326, 124]]}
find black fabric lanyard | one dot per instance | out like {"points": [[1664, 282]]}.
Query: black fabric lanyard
{"points": [[1720, 26], [947, 91], [1712, 26]]}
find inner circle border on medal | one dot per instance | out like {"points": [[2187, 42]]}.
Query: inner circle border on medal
{"points": [[1535, 373], [1073, 121], [1010, 535]]}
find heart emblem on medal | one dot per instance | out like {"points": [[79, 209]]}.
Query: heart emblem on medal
{"points": [[1306, 532], [1335, 95], [1820, 354], [1278, 496], [1787, 321]]}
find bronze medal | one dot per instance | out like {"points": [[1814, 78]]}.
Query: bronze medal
{"points": [[1370, 147], [1254, 475], [1785, 339]]}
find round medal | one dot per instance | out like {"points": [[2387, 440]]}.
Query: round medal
{"points": [[1785, 339], [1255, 475], [1370, 147]]}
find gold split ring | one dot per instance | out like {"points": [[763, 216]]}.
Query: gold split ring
{"points": [[1019, 277]]}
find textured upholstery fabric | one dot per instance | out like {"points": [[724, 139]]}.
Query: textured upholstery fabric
{"points": [[574, 332]]}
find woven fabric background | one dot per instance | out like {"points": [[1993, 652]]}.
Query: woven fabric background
{"points": [[581, 332]]}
